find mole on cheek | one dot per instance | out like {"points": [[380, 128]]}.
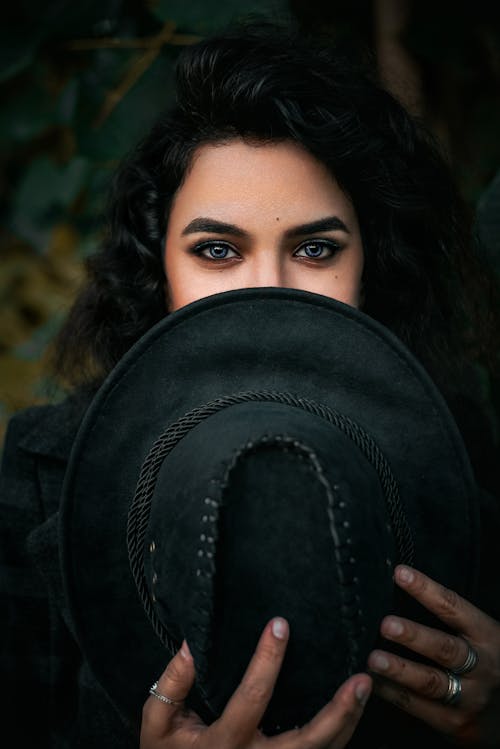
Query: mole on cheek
{"points": [[277, 218]]}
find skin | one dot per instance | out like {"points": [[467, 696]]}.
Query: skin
{"points": [[265, 195], [415, 688], [419, 689], [172, 727]]}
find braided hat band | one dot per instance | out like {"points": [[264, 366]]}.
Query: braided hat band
{"points": [[293, 365], [141, 504]]}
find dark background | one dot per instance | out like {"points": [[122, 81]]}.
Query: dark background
{"points": [[81, 81]]}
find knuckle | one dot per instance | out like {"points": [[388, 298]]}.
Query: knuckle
{"points": [[410, 632], [448, 649], [256, 692], [397, 666], [174, 672], [432, 686], [448, 602], [420, 583]]}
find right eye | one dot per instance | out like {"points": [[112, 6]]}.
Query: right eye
{"points": [[215, 250]]}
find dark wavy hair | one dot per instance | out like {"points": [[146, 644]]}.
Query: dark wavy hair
{"points": [[424, 278]]}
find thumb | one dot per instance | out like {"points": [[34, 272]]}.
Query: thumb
{"points": [[168, 694]]}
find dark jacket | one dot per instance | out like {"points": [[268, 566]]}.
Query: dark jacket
{"points": [[50, 697]]}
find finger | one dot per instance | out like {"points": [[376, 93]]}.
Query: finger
{"points": [[447, 650], [443, 602], [175, 684], [425, 681], [336, 721], [244, 711], [445, 719]]}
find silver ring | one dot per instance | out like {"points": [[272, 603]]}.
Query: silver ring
{"points": [[162, 697], [470, 662], [454, 689]]}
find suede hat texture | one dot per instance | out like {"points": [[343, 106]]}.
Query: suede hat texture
{"points": [[259, 452]]}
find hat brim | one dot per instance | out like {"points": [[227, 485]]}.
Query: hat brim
{"points": [[253, 339]]}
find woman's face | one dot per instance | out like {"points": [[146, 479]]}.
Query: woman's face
{"points": [[252, 215]]}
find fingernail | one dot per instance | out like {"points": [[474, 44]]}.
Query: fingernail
{"points": [[185, 651], [393, 627], [279, 628], [362, 693], [405, 575], [380, 662]]}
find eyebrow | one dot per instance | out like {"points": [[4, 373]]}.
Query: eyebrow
{"points": [[330, 223], [212, 226]]}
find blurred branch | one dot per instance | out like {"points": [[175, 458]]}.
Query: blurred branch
{"points": [[152, 45], [141, 43]]}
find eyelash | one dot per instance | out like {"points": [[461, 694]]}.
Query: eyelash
{"points": [[329, 244]]}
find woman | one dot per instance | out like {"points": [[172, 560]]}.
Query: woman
{"points": [[280, 165]]}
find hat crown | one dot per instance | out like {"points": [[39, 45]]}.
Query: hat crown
{"points": [[247, 341], [265, 508]]}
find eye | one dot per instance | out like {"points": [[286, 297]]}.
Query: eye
{"points": [[215, 250], [317, 249]]}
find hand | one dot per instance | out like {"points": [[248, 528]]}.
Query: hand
{"points": [[166, 726], [420, 689]]}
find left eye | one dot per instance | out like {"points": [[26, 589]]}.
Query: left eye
{"points": [[316, 249], [215, 250]]}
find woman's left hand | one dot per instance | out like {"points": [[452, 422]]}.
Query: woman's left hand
{"points": [[473, 718]]}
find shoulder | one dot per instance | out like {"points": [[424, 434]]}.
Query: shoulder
{"points": [[36, 449], [47, 430]]}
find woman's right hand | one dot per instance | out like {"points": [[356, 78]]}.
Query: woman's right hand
{"points": [[167, 726]]}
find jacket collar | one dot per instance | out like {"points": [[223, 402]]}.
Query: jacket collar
{"points": [[54, 427]]}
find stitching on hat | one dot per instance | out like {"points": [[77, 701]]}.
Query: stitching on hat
{"points": [[140, 508], [350, 610], [339, 531]]}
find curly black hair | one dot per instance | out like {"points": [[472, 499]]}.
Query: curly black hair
{"points": [[424, 277]]}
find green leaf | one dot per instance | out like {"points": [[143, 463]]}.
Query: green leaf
{"points": [[43, 193], [31, 109], [131, 118], [46, 184]]}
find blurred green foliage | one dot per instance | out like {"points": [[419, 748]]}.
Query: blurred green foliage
{"points": [[81, 82]]}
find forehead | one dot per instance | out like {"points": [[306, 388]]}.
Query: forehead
{"points": [[238, 175]]}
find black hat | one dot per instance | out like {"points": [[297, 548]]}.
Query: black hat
{"points": [[257, 453]]}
